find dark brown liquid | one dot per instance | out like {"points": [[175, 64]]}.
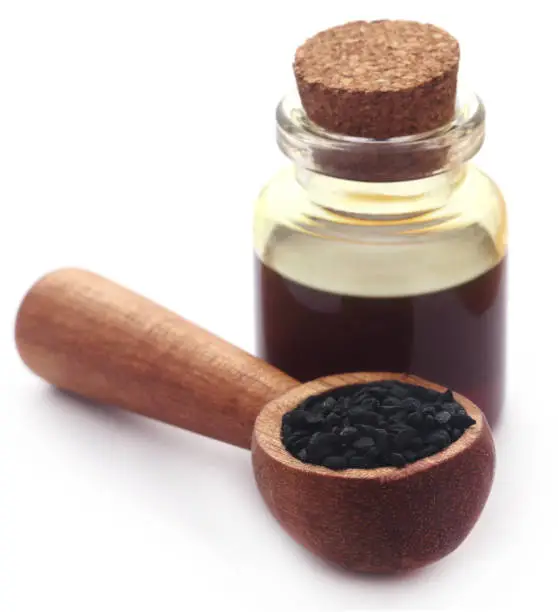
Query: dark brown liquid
{"points": [[454, 337]]}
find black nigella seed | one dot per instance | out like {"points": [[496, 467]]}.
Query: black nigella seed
{"points": [[397, 460], [372, 453], [443, 417], [364, 417], [381, 439], [399, 417], [456, 434], [378, 391], [461, 421], [368, 426], [296, 435], [370, 403], [344, 404], [298, 444], [312, 419], [399, 391], [306, 405], [427, 395], [335, 463], [410, 404], [451, 407], [317, 453], [439, 438], [364, 444], [366, 430], [361, 395], [293, 419], [428, 450], [348, 433], [373, 418], [390, 402], [333, 419], [355, 414], [404, 437], [321, 439], [357, 462], [389, 411], [414, 419], [410, 456], [446, 396], [371, 459]]}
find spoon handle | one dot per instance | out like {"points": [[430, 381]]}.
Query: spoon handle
{"points": [[88, 335]]}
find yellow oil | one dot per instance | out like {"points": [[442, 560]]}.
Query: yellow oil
{"points": [[380, 240]]}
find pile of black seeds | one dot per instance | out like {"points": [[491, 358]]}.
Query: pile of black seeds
{"points": [[386, 423]]}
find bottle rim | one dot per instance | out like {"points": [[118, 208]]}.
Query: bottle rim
{"points": [[402, 158]]}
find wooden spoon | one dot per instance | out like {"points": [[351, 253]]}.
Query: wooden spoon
{"points": [[87, 335]]}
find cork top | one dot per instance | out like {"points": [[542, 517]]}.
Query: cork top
{"points": [[379, 79]]}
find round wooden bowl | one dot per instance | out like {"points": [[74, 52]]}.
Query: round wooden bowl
{"points": [[380, 520]]}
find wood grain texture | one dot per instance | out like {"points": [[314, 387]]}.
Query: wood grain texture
{"points": [[87, 335], [381, 520]]}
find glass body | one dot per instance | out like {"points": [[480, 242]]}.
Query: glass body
{"points": [[384, 256]]}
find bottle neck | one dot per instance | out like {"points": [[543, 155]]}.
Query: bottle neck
{"points": [[406, 166], [385, 201]]}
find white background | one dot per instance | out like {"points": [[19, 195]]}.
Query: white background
{"points": [[134, 137]]}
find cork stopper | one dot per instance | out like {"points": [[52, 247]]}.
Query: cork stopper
{"points": [[379, 79]]}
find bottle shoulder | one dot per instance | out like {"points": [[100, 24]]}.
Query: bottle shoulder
{"points": [[471, 195], [389, 241]]}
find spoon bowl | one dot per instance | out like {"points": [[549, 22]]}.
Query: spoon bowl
{"points": [[379, 520]]}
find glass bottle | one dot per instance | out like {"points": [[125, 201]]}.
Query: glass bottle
{"points": [[384, 255]]}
